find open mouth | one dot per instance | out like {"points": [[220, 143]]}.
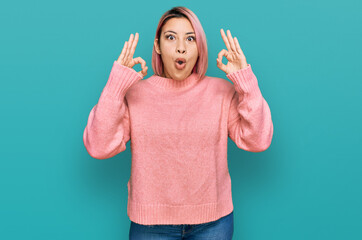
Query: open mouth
{"points": [[180, 63], [181, 60]]}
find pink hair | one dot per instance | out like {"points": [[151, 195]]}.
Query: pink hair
{"points": [[202, 61]]}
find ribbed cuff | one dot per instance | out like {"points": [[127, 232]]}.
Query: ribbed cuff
{"points": [[120, 80], [244, 80]]}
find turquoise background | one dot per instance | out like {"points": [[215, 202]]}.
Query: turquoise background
{"points": [[56, 58]]}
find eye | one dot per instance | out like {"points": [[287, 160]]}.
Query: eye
{"points": [[192, 37], [167, 36]]}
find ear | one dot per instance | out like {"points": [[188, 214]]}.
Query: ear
{"points": [[157, 47]]}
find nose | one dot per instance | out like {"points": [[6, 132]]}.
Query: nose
{"points": [[180, 47], [181, 50]]}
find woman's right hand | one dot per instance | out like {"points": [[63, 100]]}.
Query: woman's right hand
{"points": [[126, 57]]}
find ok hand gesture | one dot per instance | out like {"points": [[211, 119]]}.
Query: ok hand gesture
{"points": [[126, 57], [234, 54]]}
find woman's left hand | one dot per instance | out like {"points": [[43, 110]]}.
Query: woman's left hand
{"points": [[234, 54]]}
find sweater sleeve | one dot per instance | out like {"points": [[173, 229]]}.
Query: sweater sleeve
{"points": [[108, 129], [250, 124]]}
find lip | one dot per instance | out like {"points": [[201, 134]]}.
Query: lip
{"points": [[181, 59], [180, 66]]}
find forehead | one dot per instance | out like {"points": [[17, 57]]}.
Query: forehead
{"points": [[178, 25]]}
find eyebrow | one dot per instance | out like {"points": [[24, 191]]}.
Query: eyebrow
{"points": [[176, 33]]}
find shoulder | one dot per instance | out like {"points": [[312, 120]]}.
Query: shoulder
{"points": [[219, 84], [136, 90]]}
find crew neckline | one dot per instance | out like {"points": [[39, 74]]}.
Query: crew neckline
{"points": [[172, 84]]}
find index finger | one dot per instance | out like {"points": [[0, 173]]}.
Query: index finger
{"points": [[134, 44], [226, 41]]}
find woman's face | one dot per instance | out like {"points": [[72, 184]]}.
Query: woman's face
{"points": [[177, 40]]}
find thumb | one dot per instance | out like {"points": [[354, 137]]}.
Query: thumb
{"points": [[220, 65], [143, 72]]}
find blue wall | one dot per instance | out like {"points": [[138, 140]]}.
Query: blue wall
{"points": [[56, 58]]}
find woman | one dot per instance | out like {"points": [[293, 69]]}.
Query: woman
{"points": [[179, 121]]}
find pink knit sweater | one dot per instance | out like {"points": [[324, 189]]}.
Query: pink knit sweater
{"points": [[179, 132]]}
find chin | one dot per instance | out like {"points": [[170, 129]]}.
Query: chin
{"points": [[179, 75], [182, 75]]}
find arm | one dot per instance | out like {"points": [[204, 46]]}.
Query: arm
{"points": [[250, 124], [108, 128]]}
